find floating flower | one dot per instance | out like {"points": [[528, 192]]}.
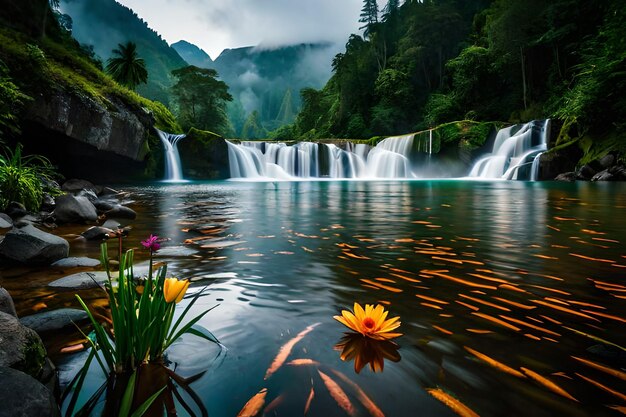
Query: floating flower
{"points": [[367, 351], [151, 243], [370, 322], [174, 289]]}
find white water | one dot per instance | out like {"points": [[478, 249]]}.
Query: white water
{"points": [[173, 167], [516, 152], [258, 160]]}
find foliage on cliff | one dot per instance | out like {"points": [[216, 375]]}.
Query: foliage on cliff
{"points": [[423, 63], [39, 62]]}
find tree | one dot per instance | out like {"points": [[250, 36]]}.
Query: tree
{"points": [[126, 67], [201, 99], [369, 15]]}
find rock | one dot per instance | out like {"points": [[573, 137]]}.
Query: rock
{"points": [[607, 161], [76, 262], [104, 205], [176, 251], [80, 281], [97, 233], [603, 176], [112, 224], [20, 347], [23, 396], [89, 195], [121, 212], [70, 209], [6, 303], [16, 210], [585, 172], [31, 245], [618, 172], [106, 191], [566, 176], [47, 203], [205, 155], [54, 320], [5, 221], [76, 186]]}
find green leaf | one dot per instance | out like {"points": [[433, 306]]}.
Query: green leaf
{"points": [[127, 398], [140, 411]]}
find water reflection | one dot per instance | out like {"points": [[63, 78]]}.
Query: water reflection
{"points": [[366, 351], [528, 275]]}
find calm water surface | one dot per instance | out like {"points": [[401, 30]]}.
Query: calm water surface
{"points": [[526, 275]]}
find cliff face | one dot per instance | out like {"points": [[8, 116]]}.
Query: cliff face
{"points": [[115, 128]]}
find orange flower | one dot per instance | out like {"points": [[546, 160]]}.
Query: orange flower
{"points": [[174, 289], [370, 322]]}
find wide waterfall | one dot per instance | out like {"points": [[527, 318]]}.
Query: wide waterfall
{"points": [[390, 158], [516, 152], [173, 167]]}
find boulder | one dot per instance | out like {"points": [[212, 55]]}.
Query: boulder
{"points": [[16, 210], [76, 262], [54, 320], [70, 209], [31, 245], [607, 161], [586, 172], [112, 224], [106, 191], [97, 233], [80, 281], [89, 195], [6, 303], [75, 186], [566, 176], [603, 176], [104, 205], [23, 396], [47, 203], [121, 212], [618, 172], [5, 221], [20, 347]]}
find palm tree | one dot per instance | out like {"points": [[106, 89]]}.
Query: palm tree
{"points": [[126, 67]]}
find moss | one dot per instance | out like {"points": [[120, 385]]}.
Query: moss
{"points": [[203, 136], [34, 357]]}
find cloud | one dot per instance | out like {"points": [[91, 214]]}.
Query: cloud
{"points": [[216, 25]]}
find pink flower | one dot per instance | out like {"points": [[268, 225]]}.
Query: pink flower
{"points": [[151, 243]]}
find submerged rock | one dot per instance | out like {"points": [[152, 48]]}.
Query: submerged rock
{"points": [[567, 176], [31, 245], [80, 281], [97, 233], [104, 205], [23, 396], [121, 212], [73, 262], [54, 320], [70, 209], [20, 347]]}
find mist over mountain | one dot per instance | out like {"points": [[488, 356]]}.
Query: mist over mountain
{"points": [[103, 24], [268, 80], [192, 54]]}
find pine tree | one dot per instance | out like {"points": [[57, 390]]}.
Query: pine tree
{"points": [[369, 15]]}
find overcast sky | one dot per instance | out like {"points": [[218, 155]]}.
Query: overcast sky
{"points": [[214, 25]]}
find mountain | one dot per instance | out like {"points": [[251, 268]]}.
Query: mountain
{"points": [[101, 25], [267, 80], [192, 54]]}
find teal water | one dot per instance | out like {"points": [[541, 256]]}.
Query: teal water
{"points": [[453, 259]]}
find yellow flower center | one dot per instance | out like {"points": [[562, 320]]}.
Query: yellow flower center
{"points": [[369, 323]]}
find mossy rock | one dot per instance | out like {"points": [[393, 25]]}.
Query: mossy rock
{"points": [[204, 155], [20, 347]]}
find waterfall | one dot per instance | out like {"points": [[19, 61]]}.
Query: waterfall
{"points": [[515, 153], [277, 160], [173, 167]]}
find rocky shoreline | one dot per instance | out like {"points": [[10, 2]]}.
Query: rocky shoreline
{"points": [[24, 363]]}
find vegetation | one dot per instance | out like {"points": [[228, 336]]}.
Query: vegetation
{"points": [[22, 178], [201, 99], [126, 67], [424, 63], [142, 328]]}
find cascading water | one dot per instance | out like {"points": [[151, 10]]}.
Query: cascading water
{"points": [[515, 153], [389, 159], [173, 167]]}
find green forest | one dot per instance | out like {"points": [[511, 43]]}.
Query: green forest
{"points": [[415, 66], [423, 63]]}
